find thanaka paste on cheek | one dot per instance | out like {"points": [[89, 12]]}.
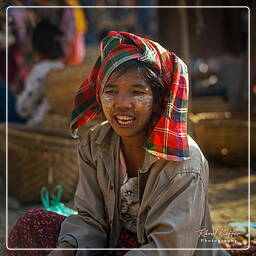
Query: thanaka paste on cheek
{"points": [[107, 104], [142, 103], [145, 101]]}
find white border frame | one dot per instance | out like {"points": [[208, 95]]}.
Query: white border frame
{"points": [[133, 249]]}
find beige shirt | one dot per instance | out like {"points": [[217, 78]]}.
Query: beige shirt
{"points": [[173, 200]]}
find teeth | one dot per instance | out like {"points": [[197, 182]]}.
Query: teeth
{"points": [[124, 118], [124, 122]]}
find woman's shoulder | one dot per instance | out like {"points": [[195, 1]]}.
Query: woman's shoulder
{"points": [[196, 155], [179, 175], [96, 136], [196, 165]]}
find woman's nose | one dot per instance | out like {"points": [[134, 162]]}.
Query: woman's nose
{"points": [[123, 101]]}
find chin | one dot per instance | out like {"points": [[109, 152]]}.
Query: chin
{"points": [[124, 133]]}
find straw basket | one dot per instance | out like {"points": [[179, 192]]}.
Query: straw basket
{"points": [[224, 137], [39, 158], [54, 122], [62, 84], [209, 103]]}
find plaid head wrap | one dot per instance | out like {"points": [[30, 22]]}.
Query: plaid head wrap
{"points": [[168, 137]]}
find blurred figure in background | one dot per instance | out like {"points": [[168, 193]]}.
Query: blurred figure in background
{"points": [[73, 24], [19, 22], [13, 116], [6, 92], [32, 104], [71, 21]]}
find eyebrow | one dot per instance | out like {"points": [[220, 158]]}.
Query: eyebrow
{"points": [[110, 86], [142, 86]]}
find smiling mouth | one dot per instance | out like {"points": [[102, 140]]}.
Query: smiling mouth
{"points": [[124, 120]]}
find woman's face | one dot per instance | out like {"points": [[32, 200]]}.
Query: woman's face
{"points": [[127, 103]]}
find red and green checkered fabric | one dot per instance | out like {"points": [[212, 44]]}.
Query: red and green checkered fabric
{"points": [[168, 137]]}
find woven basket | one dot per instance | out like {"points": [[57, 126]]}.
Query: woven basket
{"points": [[58, 123], [61, 85], [224, 137], [209, 104], [39, 158]]}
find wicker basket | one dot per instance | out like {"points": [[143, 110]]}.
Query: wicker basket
{"points": [[39, 158], [223, 137], [54, 122], [209, 104], [61, 85]]}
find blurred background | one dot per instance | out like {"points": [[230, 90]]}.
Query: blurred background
{"points": [[50, 52]]}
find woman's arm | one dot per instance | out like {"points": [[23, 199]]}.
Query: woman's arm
{"points": [[88, 228]]}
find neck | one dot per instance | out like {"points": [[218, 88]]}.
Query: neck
{"points": [[133, 143], [134, 154]]}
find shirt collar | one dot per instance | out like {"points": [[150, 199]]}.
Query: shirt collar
{"points": [[102, 138], [148, 162], [107, 136]]}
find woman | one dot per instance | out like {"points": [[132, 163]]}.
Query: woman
{"points": [[143, 181]]}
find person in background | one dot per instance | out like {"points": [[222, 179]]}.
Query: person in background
{"points": [[6, 92], [72, 21], [32, 104], [73, 24], [17, 66], [13, 116]]}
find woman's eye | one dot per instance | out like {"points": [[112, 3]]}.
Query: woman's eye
{"points": [[110, 92], [137, 92]]}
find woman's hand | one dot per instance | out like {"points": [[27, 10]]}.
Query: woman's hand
{"points": [[64, 252]]}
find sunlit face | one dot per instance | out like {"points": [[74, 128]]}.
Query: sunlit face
{"points": [[127, 103]]}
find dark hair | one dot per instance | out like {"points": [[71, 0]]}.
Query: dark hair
{"points": [[46, 39], [149, 74]]}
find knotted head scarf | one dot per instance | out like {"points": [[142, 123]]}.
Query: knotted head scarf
{"points": [[168, 137]]}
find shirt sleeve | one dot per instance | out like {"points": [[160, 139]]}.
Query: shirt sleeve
{"points": [[175, 215], [88, 228]]}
